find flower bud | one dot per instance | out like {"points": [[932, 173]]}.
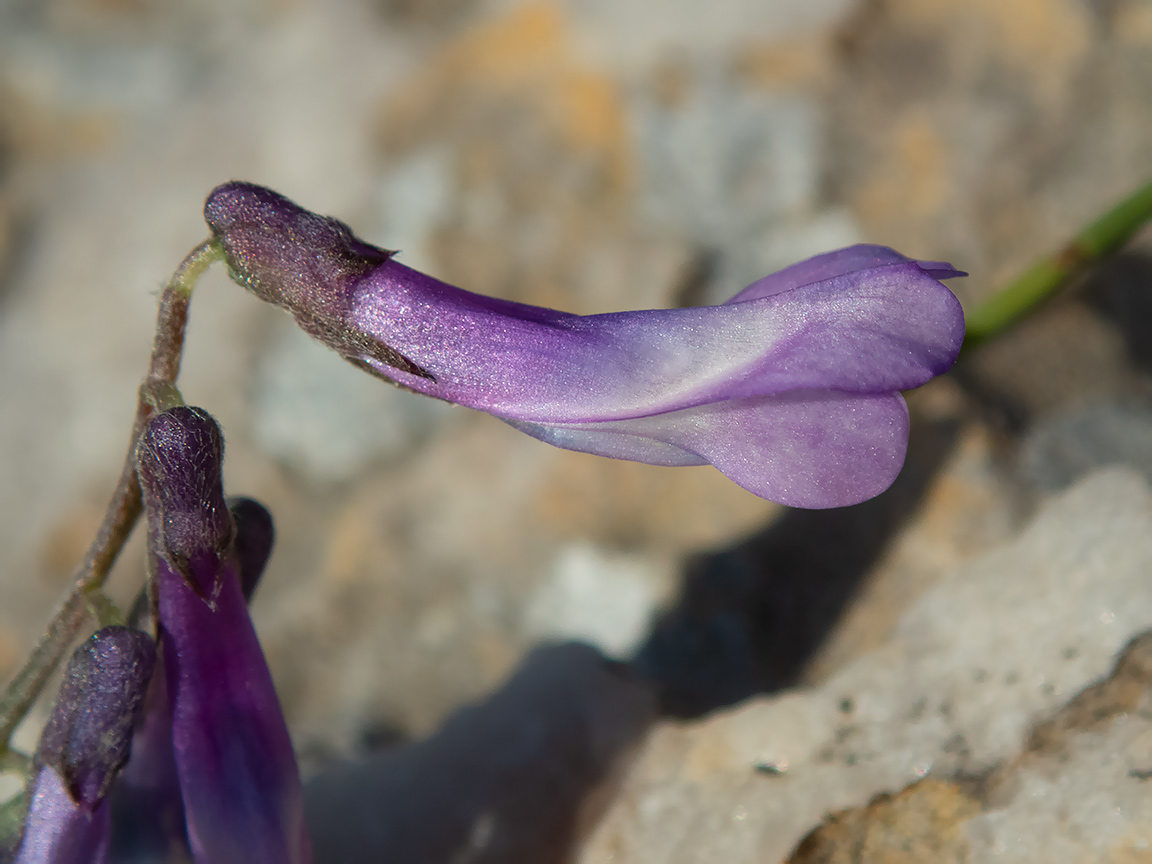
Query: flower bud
{"points": [[84, 744], [237, 771], [252, 547], [179, 456]]}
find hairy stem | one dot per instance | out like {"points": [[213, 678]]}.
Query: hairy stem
{"points": [[1044, 278], [125, 505]]}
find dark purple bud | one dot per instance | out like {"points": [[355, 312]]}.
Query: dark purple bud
{"points": [[253, 543], [302, 262], [83, 746], [283, 253], [89, 734], [178, 457]]}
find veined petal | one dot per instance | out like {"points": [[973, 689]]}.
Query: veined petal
{"points": [[803, 449], [873, 331]]}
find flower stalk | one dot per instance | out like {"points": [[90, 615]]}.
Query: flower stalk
{"points": [[123, 509], [1096, 241]]}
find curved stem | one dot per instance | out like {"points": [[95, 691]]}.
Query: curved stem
{"points": [[1044, 278], [123, 509]]}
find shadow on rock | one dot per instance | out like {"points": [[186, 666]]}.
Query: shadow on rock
{"points": [[517, 779], [1121, 288], [521, 777], [750, 617]]}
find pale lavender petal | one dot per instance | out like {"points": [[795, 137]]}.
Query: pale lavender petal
{"points": [[839, 263], [874, 331], [804, 449], [59, 830]]}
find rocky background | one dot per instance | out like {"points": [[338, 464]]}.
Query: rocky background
{"points": [[658, 666]]}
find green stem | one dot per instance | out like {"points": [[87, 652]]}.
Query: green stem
{"points": [[1044, 278], [124, 508]]}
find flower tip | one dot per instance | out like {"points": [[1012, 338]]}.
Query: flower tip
{"points": [[237, 203], [179, 459], [941, 270], [289, 256], [174, 441]]}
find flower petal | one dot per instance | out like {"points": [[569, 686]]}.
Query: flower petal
{"points": [[820, 268], [803, 449], [147, 808], [234, 760], [60, 831], [872, 331], [237, 769]]}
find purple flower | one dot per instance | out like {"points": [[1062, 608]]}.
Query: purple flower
{"points": [[147, 808], [791, 388], [84, 744], [237, 772]]}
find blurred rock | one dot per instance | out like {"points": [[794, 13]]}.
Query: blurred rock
{"points": [[1088, 767], [976, 131], [605, 600], [1063, 448], [922, 823], [1062, 356], [516, 779], [326, 419], [974, 663], [632, 34], [1086, 764], [737, 172]]}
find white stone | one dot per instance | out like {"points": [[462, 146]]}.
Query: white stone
{"points": [[603, 599]]}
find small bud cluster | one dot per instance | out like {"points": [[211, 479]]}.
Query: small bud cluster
{"points": [[188, 757]]}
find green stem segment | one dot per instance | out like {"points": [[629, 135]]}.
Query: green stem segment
{"points": [[124, 508], [1047, 276]]}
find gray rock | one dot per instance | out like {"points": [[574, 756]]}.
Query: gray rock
{"points": [[327, 419], [632, 34], [974, 663], [1062, 449], [605, 599]]}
